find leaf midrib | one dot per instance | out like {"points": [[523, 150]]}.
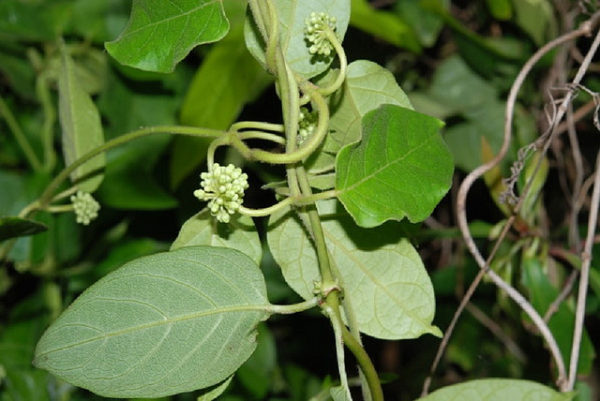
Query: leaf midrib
{"points": [[171, 320]]}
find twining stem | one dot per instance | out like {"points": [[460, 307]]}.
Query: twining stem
{"points": [[339, 350], [48, 193], [19, 135], [257, 125]]}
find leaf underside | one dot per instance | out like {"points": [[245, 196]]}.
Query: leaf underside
{"points": [[162, 324]]}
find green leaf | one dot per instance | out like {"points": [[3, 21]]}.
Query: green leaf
{"points": [[292, 15], [203, 229], [541, 294], [367, 86], [400, 168], [383, 25], [216, 391], [227, 79], [160, 33], [536, 18], [12, 227], [160, 325], [81, 126], [257, 373], [500, 9], [339, 393], [498, 390], [381, 273], [426, 24]]}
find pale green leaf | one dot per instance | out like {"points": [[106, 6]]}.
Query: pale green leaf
{"points": [[498, 390], [160, 33], [203, 229], [400, 168], [215, 392], [81, 126], [536, 18], [367, 86], [292, 15], [381, 273], [339, 393], [160, 325]]}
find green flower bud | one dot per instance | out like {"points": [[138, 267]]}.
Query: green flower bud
{"points": [[307, 123], [223, 188], [315, 27], [85, 206]]}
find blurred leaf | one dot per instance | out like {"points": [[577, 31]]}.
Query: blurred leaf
{"points": [[382, 274], [256, 374], [401, 167], [97, 20], [383, 25], [203, 229], [537, 184], [541, 294], [500, 9], [81, 126], [24, 21], [160, 33], [227, 79], [292, 15], [426, 24], [144, 345], [12, 227], [18, 72], [536, 18], [498, 390], [129, 181]]}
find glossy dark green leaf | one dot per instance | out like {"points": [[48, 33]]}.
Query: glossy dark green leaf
{"points": [[160, 325], [12, 227], [81, 126], [160, 33], [400, 168], [498, 390]]}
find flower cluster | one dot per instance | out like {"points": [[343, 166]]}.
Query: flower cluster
{"points": [[85, 206], [317, 24], [306, 124], [223, 188]]}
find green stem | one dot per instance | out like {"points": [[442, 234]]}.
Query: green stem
{"points": [[294, 308], [47, 195], [267, 211], [257, 125], [328, 90], [339, 350], [266, 136], [19, 135], [59, 209]]}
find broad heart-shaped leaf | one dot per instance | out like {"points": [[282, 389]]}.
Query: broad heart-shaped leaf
{"points": [[13, 227], [203, 229], [160, 325], [160, 33], [367, 86], [81, 126], [498, 390], [400, 168], [292, 15], [381, 273]]}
